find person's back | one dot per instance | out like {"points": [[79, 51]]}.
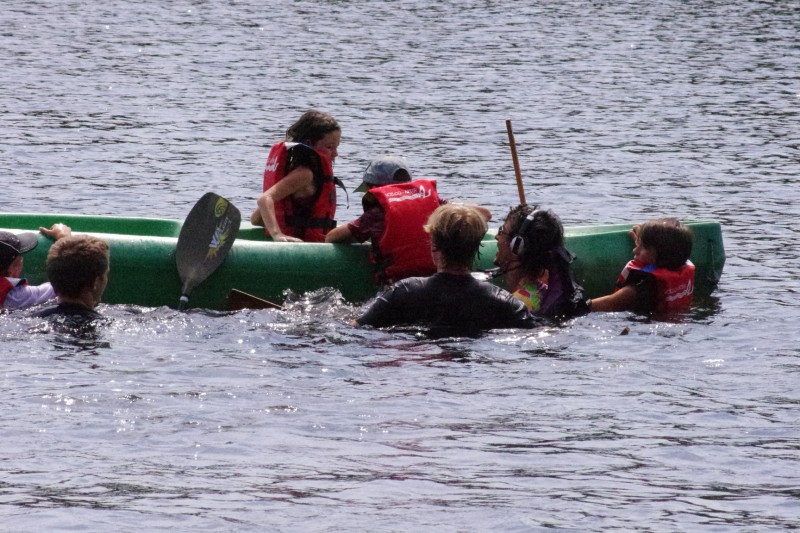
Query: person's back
{"points": [[77, 268], [395, 210], [447, 301], [563, 297], [403, 249], [451, 298]]}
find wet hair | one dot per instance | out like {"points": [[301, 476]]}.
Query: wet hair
{"points": [[542, 235], [75, 262], [457, 232], [312, 126], [671, 240]]}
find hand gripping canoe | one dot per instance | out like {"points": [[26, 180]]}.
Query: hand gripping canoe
{"points": [[205, 239]]}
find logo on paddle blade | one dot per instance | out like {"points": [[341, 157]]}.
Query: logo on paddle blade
{"points": [[220, 207], [221, 234]]}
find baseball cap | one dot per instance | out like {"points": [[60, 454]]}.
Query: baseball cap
{"points": [[382, 170], [12, 245]]}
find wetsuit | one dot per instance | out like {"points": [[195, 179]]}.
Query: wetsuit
{"points": [[71, 310], [73, 319], [447, 301]]}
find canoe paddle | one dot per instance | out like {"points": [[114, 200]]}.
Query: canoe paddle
{"points": [[205, 240], [242, 300], [520, 188]]}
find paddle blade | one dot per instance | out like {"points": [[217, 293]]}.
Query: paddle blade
{"points": [[205, 239]]}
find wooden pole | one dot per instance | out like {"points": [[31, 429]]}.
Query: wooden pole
{"points": [[520, 188]]}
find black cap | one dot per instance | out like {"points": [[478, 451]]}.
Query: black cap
{"points": [[12, 245]]}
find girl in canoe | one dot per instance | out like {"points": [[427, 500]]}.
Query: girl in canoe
{"points": [[660, 277], [536, 266], [299, 199]]}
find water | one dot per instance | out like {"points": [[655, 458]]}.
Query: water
{"points": [[261, 420]]}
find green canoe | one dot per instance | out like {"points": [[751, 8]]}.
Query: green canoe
{"points": [[143, 270]]}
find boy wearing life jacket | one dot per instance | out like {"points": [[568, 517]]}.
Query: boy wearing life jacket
{"points": [[15, 293], [395, 211], [660, 277]]}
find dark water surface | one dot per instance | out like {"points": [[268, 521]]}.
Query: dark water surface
{"points": [[268, 421]]}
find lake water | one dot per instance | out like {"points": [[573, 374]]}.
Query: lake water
{"points": [[294, 421]]}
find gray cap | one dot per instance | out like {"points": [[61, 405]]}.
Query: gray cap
{"points": [[12, 246], [382, 170]]}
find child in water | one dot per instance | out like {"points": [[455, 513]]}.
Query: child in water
{"points": [[535, 265], [660, 277], [15, 292]]}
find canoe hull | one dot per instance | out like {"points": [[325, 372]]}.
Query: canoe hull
{"points": [[143, 270]]}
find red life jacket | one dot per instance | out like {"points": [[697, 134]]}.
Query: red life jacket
{"points": [[404, 249], [6, 285], [674, 288], [307, 218]]}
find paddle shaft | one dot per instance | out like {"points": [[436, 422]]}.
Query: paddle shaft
{"points": [[520, 188], [242, 300]]}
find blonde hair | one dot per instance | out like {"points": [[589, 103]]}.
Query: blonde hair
{"points": [[456, 231]]}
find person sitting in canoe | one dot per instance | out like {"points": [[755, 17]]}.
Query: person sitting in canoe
{"points": [[535, 265], [15, 292], [77, 267], [395, 211], [450, 299], [660, 278], [299, 199]]}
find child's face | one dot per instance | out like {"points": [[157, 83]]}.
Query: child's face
{"points": [[15, 268], [644, 254], [504, 255], [329, 144]]}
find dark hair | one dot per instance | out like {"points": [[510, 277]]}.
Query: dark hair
{"points": [[311, 127], [542, 235], [456, 231], [75, 262], [671, 240]]}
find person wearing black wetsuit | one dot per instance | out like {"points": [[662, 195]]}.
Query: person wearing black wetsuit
{"points": [[451, 298], [77, 267]]}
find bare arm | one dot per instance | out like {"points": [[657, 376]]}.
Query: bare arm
{"points": [[622, 300], [340, 234], [299, 182], [255, 218]]}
